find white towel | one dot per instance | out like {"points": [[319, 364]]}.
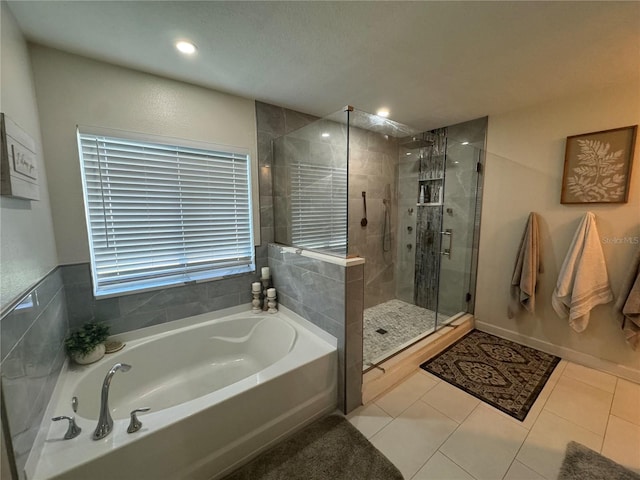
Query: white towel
{"points": [[525, 273], [583, 282]]}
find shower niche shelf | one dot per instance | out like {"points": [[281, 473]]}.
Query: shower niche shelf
{"points": [[430, 191], [435, 204]]}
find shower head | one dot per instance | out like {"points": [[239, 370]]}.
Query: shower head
{"points": [[417, 143]]}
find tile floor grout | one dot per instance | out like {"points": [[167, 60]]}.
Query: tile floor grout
{"points": [[555, 384], [532, 460]]}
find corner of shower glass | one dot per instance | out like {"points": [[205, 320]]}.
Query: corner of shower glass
{"points": [[310, 185]]}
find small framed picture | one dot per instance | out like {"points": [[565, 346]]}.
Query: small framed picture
{"points": [[597, 166]]}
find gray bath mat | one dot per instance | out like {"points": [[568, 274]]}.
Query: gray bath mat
{"points": [[504, 374], [328, 449], [582, 463]]}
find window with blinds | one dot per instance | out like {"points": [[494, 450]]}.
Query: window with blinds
{"points": [[319, 207], [160, 214]]}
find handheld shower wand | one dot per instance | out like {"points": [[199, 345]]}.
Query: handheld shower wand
{"points": [[386, 228]]}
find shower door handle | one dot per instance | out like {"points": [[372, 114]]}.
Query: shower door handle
{"points": [[447, 251]]}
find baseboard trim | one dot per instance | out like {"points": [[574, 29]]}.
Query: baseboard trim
{"points": [[562, 352]]}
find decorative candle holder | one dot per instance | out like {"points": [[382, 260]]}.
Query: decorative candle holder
{"points": [[265, 286], [273, 305], [255, 308]]}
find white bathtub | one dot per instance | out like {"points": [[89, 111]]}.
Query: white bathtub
{"points": [[220, 389]]}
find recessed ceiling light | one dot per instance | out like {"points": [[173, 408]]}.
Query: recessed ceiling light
{"points": [[185, 47], [383, 112], [465, 143], [408, 153], [325, 134]]}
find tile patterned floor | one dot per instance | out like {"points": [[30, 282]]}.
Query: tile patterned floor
{"points": [[402, 321], [432, 430]]}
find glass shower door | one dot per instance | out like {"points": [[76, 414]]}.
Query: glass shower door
{"points": [[460, 219]]}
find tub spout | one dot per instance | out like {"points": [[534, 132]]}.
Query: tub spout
{"points": [[105, 422]]}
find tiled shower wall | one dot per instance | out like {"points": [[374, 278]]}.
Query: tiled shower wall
{"points": [[461, 146], [373, 161], [295, 152], [331, 297], [32, 349], [328, 295]]}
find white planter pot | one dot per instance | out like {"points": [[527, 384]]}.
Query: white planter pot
{"points": [[93, 356]]}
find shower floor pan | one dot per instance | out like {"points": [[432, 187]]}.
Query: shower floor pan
{"points": [[402, 323]]}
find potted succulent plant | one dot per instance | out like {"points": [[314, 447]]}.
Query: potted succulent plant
{"points": [[86, 345]]}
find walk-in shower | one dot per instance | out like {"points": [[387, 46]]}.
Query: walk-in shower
{"points": [[356, 184]]}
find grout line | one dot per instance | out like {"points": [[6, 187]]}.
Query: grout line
{"points": [[532, 427], [591, 385], [423, 464], [391, 390], [604, 435], [391, 419], [453, 461], [440, 446], [437, 409]]}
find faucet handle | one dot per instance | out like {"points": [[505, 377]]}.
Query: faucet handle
{"points": [[73, 431], [136, 424]]}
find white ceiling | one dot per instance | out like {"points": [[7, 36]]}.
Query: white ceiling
{"points": [[431, 63]]}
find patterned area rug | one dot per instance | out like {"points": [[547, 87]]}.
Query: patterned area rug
{"points": [[499, 372]]}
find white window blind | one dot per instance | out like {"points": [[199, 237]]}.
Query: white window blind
{"points": [[319, 207], [164, 214]]}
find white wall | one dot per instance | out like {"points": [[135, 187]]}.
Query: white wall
{"points": [[525, 156], [27, 246], [75, 90]]}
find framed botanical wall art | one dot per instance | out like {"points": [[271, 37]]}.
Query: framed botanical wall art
{"points": [[597, 166]]}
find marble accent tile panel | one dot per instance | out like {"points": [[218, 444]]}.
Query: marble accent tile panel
{"points": [[321, 300], [270, 118], [265, 150], [373, 162], [33, 354], [317, 292], [427, 257], [136, 321], [16, 322], [131, 312], [294, 120], [353, 387], [355, 272]]}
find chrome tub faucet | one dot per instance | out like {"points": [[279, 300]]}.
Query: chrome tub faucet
{"points": [[105, 422]]}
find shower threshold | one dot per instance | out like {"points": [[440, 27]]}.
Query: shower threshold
{"points": [[403, 325]]}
